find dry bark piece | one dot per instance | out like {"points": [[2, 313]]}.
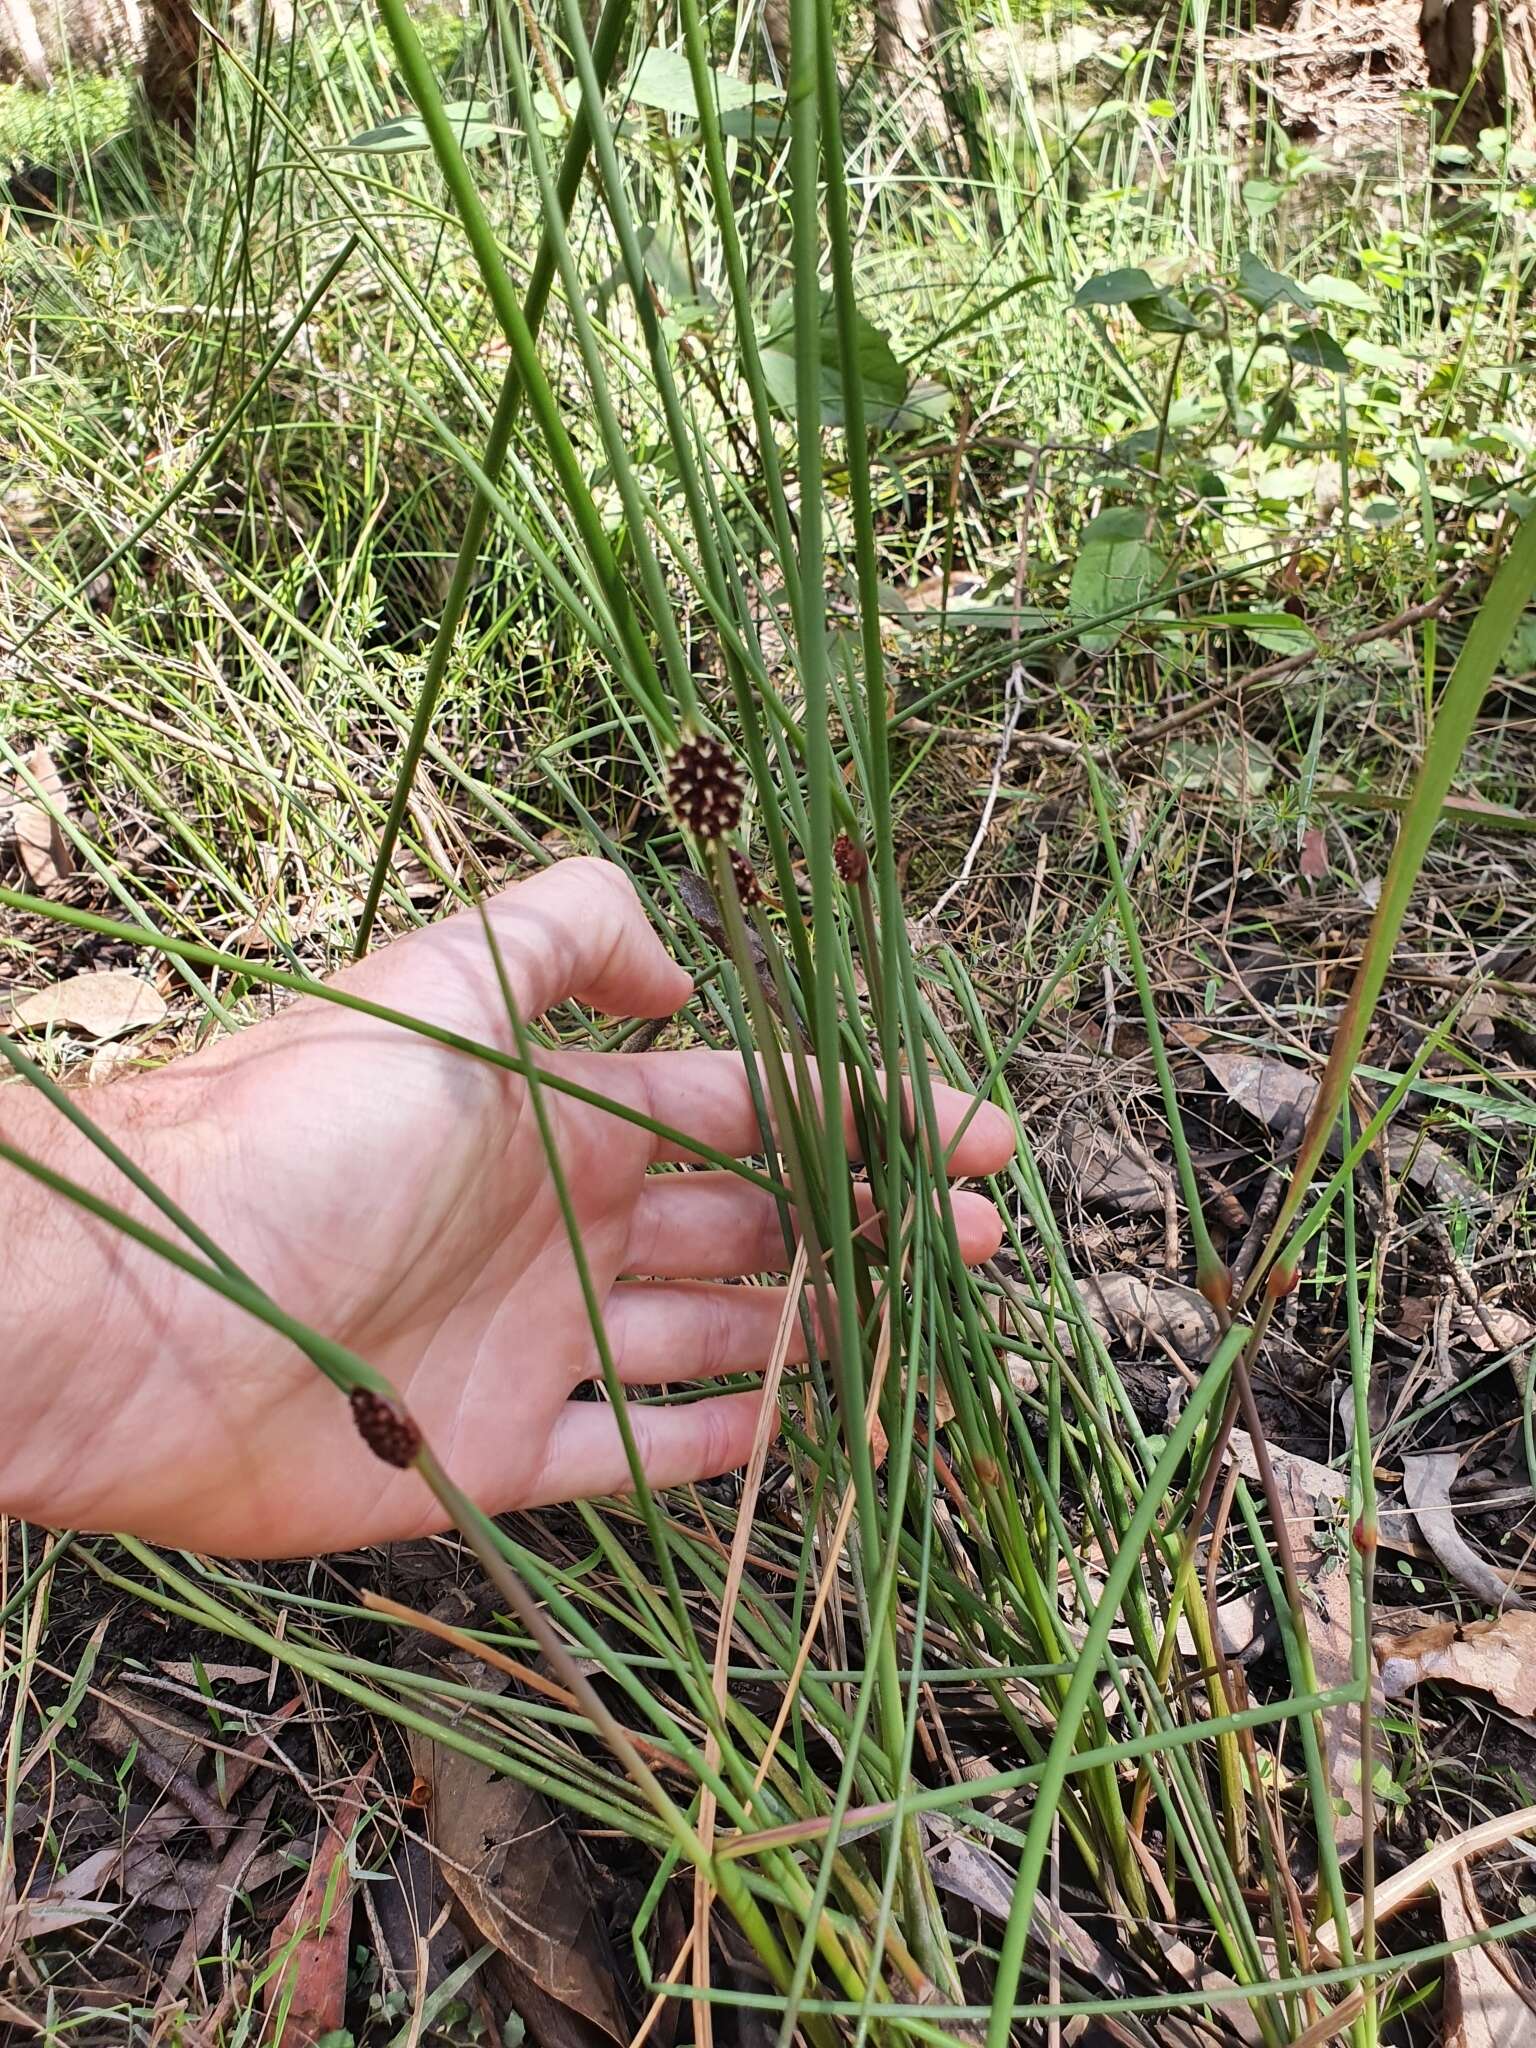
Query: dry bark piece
{"points": [[1486, 2004], [101, 1004], [1496, 1657], [1427, 1483], [311, 1945]]}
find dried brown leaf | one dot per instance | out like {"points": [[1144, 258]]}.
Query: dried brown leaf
{"points": [[1151, 1312], [208, 1914], [102, 1004], [44, 849], [1270, 1091], [69, 1901], [1486, 2004], [969, 1870], [1325, 1578], [311, 1944], [1492, 1329], [518, 1882], [1313, 860], [167, 1749], [1105, 1171], [1281, 1097], [1497, 1657]]}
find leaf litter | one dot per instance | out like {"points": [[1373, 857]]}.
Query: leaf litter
{"points": [[105, 1003], [311, 1948], [518, 1883], [43, 847], [1497, 1656]]}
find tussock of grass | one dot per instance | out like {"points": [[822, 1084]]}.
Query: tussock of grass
{"points": [[1000, 1571]]}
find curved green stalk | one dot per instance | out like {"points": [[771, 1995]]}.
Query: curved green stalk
{"points": [[610, 31]]}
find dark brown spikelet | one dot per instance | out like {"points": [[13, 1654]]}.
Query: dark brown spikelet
{"points": [[748, 887], [703, 787], [387, 1430], [850, 859]]}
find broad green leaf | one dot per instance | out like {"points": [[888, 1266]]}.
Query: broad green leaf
{"points": [[1263, 287], [408, 132], [663, 80], [886, 384], [1261, 196], [1117, 566], [1277, 639], [1380, 356], [1165, 313], [1340, 291], [1114, 288], [1316, 347], [1233, 766], [1286, 482], [763, 121], [1276, 632]]}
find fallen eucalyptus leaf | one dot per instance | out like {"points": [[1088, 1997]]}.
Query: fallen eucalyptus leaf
{"points": [[1272, 1092], [1324, 1572], [44, 849], [1106, 1172], [1492, 1330], [1142, 1311], [310, 1949], [102, 1004], [1486, 2005], [1497, 1657], [505, 1856]]}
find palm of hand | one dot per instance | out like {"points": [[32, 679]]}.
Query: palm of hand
{"points": [[395, 1195]]}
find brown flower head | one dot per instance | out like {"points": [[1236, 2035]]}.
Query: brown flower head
{"points": [[387, 1430], [703, 787], [748, 887], [850, 859]]}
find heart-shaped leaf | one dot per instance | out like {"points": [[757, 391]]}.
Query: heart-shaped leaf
{"points": [[885, 382], [1117, 567], [1263, 287], [1316, 347], [1115, 288]]}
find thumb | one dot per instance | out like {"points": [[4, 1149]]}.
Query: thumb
{"points": [[578, 930]]}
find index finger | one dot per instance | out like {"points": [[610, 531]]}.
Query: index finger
{"points": [[708, 1095]]}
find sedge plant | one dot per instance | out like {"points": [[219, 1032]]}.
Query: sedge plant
{"points": [[966, 1448]]}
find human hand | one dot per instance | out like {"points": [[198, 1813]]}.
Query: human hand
{"points": [[394, 1194]]}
